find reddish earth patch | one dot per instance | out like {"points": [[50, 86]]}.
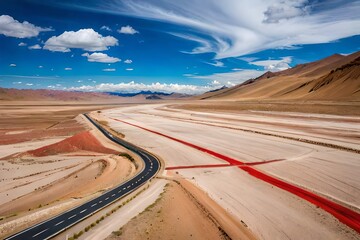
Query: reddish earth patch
{"points": [[83, 141], [345, 215]]}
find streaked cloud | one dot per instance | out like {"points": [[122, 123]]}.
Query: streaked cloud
{"points": [[86, 39], [12, 65], [233, 28], [274, 65], [109, 70], [67, 69]]}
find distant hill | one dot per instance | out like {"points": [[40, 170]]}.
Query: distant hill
{"points": [[335, 78], [11, 94]]}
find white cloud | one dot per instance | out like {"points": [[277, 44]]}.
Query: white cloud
{"points": [[231, 78], [13, 28], [35, 47], [129, 69], [86, 39], [12, 65], [106, 28], [22, 44], [248, 59], [274, 65], [216, 64], [286, 10], [40, 66], [100, 57], [17, 82], [132, 87], [109, 69], [128, 61], [233, 28], [67, 69], [127, 30], [29, 84]]}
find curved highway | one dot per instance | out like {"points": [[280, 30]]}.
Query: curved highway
{"points": [[60, 223]]}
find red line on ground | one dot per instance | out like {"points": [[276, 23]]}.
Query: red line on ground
{"points": [[345, 215]]}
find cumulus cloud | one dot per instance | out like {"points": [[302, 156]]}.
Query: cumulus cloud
{"points": [[128, 61], [233, 28], [86, 39], [22, 44], [133, 87], [106, 28], [100, 57], [35, 47], [109, 70], [127, 30], [29, 84], [67, 69], [274, 65], [13, 28], [12, 65]]}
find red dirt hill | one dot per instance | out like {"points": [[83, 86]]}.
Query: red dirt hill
{"points": [[84, 141]]}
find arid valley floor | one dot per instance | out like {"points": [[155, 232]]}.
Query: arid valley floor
{"points": [[216, 165]]}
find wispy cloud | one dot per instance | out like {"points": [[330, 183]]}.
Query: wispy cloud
{"points": [[106, 28], [12, 65], [216, 64], [233, 28], [35, 47], [273, 64], [109, 69], [67, 69], [230, 78]]}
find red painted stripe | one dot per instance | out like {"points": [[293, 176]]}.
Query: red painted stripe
{"points": [[345, 215]]}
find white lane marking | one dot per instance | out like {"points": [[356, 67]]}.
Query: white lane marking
{"points": [[59, 223], [113, 195], [72, 216], [83, 210], [100, 201], [93, 204], [106, 198], [119, 191], [40, 232]]}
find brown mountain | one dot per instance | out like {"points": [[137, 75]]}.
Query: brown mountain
{"points": [[335, 78]]}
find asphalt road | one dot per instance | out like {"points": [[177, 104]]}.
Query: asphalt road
{"points": [[58, 224]]}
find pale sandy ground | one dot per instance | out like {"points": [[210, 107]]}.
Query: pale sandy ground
{"points": [[269, 212], [33, 189]]}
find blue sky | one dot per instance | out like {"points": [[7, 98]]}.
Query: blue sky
{"points": [[187, 46]]}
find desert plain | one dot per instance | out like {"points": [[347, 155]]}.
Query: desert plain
{"points": [[52, 159]]}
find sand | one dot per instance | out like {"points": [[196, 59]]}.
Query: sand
{"points": [[268, 211]]}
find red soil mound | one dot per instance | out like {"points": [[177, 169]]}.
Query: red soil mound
{"points": [[83, 141]]}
